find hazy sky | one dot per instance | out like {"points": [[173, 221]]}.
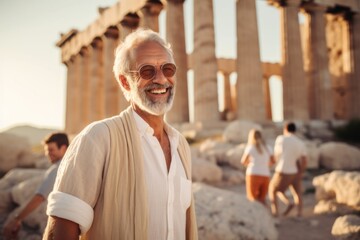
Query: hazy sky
{"points": [[32, 77]]}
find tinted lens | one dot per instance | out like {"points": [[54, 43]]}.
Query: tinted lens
{"points": [[168, 69], [147, 72]]}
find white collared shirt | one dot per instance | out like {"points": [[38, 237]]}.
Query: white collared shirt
{"points": [[169, 193]]}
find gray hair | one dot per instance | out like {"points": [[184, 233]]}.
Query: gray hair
{"points": [[124, 52]]}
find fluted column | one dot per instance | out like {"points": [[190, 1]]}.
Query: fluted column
{"points": [[347, 65], [77, 100], [112, 89], [294, 84], [150, 15], [267, 97], [355, 85], [97, 92], [128, 24], [70, 96], [228, 106], [249, 70], [205, 64], [175, 34], [317, 64], [85, 87]]}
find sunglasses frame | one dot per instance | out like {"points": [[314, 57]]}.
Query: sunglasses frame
{"points": [[155, 72]]}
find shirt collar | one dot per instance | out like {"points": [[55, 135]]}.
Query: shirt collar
{"points": [[144, 128]]}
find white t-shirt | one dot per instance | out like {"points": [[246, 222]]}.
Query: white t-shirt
{"points": [[258, 162], [288, 149], [49, 179]]}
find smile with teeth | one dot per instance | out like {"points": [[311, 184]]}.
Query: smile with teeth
{"points": [[158, 91]]}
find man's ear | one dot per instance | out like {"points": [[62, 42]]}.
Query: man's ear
{"points": [[124, 82]]}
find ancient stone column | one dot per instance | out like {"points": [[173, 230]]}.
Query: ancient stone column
{"points": [[97, 92], [150, 15], [175, 34], [267, 97], [85, 86], [317, 64], [294, 84], [75, 79], [334, 40], [205, 64], [70, 96], [128, 24], [249, 70], [347, 65], [112, 89], [355, 84], [227, 93]]}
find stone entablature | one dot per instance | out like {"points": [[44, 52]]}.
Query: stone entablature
{"points": [[72, 42], [354, 5]]}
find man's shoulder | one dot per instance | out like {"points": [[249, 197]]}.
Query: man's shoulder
{"points": [[98, 128]]}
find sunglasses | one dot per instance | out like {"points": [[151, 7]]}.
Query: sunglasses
{"points": [[148, 72]]}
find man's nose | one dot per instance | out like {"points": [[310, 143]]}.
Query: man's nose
{"points": [[159, 77]]}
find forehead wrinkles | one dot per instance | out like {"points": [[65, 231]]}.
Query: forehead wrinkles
{"points": [[149, 53]]}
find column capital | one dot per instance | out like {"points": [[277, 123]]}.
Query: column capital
{"points": [[96, 43], [284, 3], [130, 20], [311, 7], [152, 8], [176, 1], [84, 51], [112, 32]]}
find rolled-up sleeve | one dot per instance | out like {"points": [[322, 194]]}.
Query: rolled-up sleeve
{"points": [[71, 208]]}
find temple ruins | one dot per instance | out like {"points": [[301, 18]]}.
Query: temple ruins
{"points": [[319, 69]]}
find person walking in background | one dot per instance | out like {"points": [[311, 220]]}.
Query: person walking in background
{"points": [[55, 146], [257, 158], [129, 176], [290, 155]]}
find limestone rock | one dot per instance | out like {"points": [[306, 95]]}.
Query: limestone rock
{"points": [[238, 131], [205, 171], [5, 201], [319, 129], [232, 176], [233, 156], [339, 156], [226, 215], [331, 206], [23, 191], [15, 151], [347, 227], [18, 175], [340, 185], [312, 154], [215, 150]]}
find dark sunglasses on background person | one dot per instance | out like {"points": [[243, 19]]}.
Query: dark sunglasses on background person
{"points": [[148, 71]]}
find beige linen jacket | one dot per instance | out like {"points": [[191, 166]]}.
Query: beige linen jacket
{"points": [[121, 211]]}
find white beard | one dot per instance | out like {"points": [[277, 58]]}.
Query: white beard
{"points": [[139, 97]]}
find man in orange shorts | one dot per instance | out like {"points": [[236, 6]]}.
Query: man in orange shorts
{"points": [[290, 155]]}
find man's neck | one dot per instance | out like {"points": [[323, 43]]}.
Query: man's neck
{"points": [[154, 121]]}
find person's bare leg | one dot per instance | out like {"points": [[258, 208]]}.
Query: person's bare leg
{"points": [[296, 192], [273, 202], [285, 199]]}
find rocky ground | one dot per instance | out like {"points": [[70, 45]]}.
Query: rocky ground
{"points": [[310, 227]]}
